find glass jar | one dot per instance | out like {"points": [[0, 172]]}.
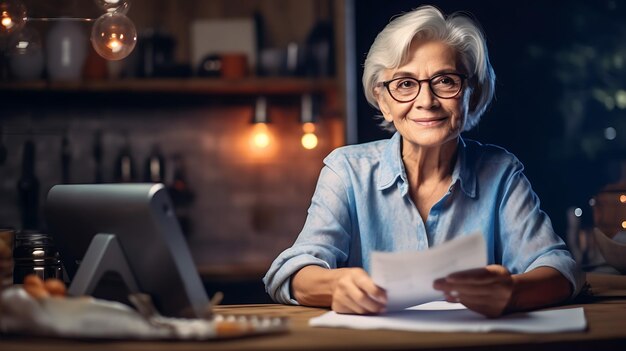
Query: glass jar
{"points": [[7, 237], [35, 253]]}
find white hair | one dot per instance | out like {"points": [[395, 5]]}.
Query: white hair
{"points": [[391, 50]]}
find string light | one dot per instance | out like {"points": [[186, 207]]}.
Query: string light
{"points": [[12, 15], [113, 35]]}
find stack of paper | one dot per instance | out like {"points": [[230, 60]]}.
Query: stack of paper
{"points": [[450, 319]]}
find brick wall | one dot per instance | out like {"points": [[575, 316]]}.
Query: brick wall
{"points": [[249, 205]]}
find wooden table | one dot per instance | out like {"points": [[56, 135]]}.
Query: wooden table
{"points": [[605, 311]]}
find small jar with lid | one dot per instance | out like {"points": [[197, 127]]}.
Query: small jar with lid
{"points": [[35, 253]]}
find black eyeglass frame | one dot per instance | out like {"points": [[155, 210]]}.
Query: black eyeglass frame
{"points": [[419, 85]]}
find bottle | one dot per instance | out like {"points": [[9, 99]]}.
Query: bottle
{"points": [[28, 188], [154, 167], [125, 166]]}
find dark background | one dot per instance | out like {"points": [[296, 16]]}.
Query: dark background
{"points": [[560, 80]]}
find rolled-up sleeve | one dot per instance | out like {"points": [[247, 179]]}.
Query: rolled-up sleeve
{"points": [[527, 238], [324, 240]]}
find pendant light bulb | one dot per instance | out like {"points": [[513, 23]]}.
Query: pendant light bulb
{"points": [[309, 141], [260, 131], [307, 118], [113, 36], [12, 16], [260, 136]]}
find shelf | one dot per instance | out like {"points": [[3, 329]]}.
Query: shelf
{"points": [[250, 86]]}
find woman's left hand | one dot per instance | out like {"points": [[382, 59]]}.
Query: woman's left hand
{"points": [[487, 290]]}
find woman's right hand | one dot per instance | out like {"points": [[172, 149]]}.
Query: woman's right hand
{"points": [[345, 290], [355, 292]]}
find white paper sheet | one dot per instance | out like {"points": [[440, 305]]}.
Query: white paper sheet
{"points": [[442, 318], [408, 276]]}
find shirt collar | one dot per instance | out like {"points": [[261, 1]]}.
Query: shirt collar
{"points": [[392, 167]]}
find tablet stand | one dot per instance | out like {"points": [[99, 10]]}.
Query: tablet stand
{"points": [[103, 255]]}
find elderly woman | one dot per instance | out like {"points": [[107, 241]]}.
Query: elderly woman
{"points": [[430, 77]]}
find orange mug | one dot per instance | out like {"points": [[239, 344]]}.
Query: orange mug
{"points": [[234, 65]]}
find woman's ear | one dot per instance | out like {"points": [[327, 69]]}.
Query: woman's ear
{"points": [[383, 106]]}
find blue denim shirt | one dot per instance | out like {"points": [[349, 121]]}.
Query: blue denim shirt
{"points": [[362, 204]]}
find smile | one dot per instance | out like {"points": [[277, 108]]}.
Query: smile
{"points": [[430, 122]]}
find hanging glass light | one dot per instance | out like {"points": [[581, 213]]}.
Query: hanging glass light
{"points": [[113, 35], [12, 15]]}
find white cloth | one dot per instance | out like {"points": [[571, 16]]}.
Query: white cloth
{"points": [[85, 317]]}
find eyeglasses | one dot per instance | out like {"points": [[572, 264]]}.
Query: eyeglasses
{"points": [[443, 85]]}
